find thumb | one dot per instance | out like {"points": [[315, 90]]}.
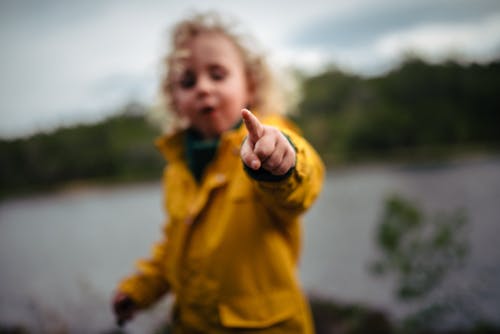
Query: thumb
{"points": [[248, 157], [253, 125]]}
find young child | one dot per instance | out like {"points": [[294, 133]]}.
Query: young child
{"points": [[236, 185]]}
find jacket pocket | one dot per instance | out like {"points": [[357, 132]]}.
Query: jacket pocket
{"points": [[258, 311]]}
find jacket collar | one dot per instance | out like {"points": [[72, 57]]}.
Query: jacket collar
{"points": [[173, 149]]}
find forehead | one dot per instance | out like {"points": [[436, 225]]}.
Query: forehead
{"points": [[208, 48]]}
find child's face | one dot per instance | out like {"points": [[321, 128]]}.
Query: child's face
{"points": [[210, 86]]}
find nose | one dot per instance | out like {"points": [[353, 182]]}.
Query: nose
{"points": [[204, 85]]}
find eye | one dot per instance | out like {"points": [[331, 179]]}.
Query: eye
{"points": [[218, 73], [187, 80]]}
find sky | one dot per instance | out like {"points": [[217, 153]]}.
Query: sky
{"points": [[65, 61]]}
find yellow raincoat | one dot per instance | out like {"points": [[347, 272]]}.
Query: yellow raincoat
{"points": [[232, 243]]}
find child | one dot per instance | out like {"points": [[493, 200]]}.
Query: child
{"points": [[236, 185]]}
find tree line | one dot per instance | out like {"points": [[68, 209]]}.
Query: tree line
{"points": [[117, 149], [418, 109]]}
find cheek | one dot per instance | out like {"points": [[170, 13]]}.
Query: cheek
{"points": [[181, 101], [239, 92]]}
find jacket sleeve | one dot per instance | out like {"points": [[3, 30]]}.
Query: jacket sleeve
{"points": [[149, 282], [294, 194]]}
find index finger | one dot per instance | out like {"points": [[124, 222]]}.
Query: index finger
{"points": [[253, 125]]}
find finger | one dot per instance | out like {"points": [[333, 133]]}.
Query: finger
{"points": [[274, 155], [253, 125], [248, 156], [268, 143], [265, 147], [274, 161], [286, 164]]}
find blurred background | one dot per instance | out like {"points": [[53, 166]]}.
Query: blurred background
{"points": [[400, 98]]}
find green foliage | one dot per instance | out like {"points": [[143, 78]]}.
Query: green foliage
{"points": [[120, 148], [420, 251], [414, 108]]}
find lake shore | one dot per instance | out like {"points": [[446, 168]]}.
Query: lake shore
{"points": [[403, 159]]}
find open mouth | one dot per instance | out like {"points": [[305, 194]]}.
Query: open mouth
{"points": [[207, 110]]}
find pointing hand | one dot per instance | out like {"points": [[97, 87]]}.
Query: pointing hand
{"points": [[266, 147]]}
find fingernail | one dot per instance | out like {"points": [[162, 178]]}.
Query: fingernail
{"points": [[255, 164]]}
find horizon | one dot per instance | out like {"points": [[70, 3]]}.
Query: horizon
{"points": [[146, 109]]}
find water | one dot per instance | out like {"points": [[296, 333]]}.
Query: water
{"points": [[340, 231], [61, 254]]}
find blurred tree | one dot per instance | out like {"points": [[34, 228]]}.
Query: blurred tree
{"points": [[419, 252], [119, 148], [418, 107]]}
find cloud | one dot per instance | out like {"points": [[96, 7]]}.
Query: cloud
{"points": [[361, 25], [61, 71], [370, 40], [68, 61], [466, 41]]}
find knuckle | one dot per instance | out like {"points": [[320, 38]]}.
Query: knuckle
{"points": [[272, 164], [245, 152], [263, 150], [273, 130], [284, 167], [247, 158], [280, 170]]}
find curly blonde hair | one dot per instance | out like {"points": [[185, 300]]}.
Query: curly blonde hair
{"points": [[267, 97]]}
